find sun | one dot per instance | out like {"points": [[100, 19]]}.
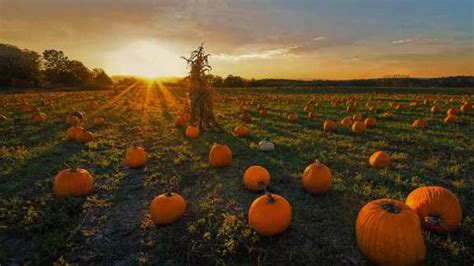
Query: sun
{"points": [[147, 59]]}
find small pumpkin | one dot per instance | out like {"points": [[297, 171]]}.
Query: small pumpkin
{"points": [[256, 178], [167, 208], [135, 157], [260, 107], [357, 117], [346, 122], [72, 120], [72, 182], [192, 132], [182, 120], [317, 178], [307, 109], [387, 115], [74, 132], [39, 117], [78, 114], [437, 207], [270, 214], [358, 127], [329, 125], [388, 232], [263, 112], [266, 145], [379, 159], [292, 117], [450, 119], [452, 111], [312, 115], [220, 155], [246, 117], [99, 121], [434, 109], [3, 118], [85, 136], [370, 122], [466, 108], [419, 123], [241, 131]]}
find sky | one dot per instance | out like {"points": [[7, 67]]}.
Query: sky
{"points": [[298, 39]]}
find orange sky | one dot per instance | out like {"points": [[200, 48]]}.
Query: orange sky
{"points": [[300, 39]]}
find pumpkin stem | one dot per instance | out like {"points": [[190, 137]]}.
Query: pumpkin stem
{"points": [[168, 193], [271, 199], [318, 163], [433, 219], [389, 207]]}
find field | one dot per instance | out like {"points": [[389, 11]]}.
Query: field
{"points": [[113, 224]]}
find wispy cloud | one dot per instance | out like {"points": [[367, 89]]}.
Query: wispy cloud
{"points": [[265, 54], [319, 38], [402, 41]]}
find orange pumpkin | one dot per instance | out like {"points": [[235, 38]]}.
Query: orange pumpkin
{"points": [[370, 122], [246, 117], [85, 136], [167, 208], [182, 120], [256, 178], [270, 214], [292, 117], [387, 114], [357, 117], [192, 132], [312, 115], [3, 118], [220, 155], [99, 121], [263, 112], [39, 117], [72, 182], [419, 123], [260, 107], [346, 122], [450, 119], [379, 159], [437, 207], [434, 109], [452, 111], [466, 108], [241, 131], [135, 157], [307, 109], [358, 127], [72, 120], [74, 132], [388, 232], [329, 126], [317, 178]]}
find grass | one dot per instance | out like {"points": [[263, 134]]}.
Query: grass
{"points": [[113, 225]]}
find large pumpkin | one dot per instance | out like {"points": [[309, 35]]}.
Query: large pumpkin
{"points": [[317, 178], [167, 208], [256, 178], [388, 232], [379, 159], [72, 182], [358, 127], [438, 208], [192, 132], [270, 214], [241, 131], [135, 157], [220, 155], [329, 125]]}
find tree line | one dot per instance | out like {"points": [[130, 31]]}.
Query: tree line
{"points": [[52, 68]]}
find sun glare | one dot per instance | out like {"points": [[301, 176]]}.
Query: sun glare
{"points": [[146, 59]]}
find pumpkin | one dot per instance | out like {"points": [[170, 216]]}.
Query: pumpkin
{"points": [[260, 107], [256, 178], [263, 112], [167, 208], [452, 111], [72, 120], [220, 155], [192, 132], [74, 132], [434, 109], [312, 115], [317, 178], [329, 125], [3, 118], [246, 117], [437, 207], [450, 119], [346, 122], [182, 120], [85, 136], [419, 123], [270, 214], [99, 121], [466, 108], [72, 182], [370, 122], [79, 115], [135, 157], [292, 117], [266, 145], [241, 131], [379, 159], [39, 117], [357, 117], [358, 127], [350, 109], [307, 109], [388, 233], [387, 114]]}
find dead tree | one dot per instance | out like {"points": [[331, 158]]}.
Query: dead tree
{"points": [[200, 91]]}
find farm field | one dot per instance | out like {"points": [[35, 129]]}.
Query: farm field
{"points": [[113, 225]]}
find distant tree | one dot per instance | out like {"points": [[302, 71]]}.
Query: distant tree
{"points": [[234, 81], [100, 77], [18, 66], [55, 65], [216, 81]]}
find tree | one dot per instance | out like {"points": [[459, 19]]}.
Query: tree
{"points": [[234, 81], [100, 77], [18, 65], [200, 90]]}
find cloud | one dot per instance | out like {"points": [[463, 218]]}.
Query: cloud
{"points": [[402, 41], [319, 38], [265, 54]]}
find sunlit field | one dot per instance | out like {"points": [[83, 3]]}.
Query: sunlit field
{"points": [[112, 224]]}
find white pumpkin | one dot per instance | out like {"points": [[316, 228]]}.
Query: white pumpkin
{"points": [[266, 145]]}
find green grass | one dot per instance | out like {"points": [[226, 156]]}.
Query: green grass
{"points": [[113, 225]]}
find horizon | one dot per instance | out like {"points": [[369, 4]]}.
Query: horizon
{"points": [[300, 40]]}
